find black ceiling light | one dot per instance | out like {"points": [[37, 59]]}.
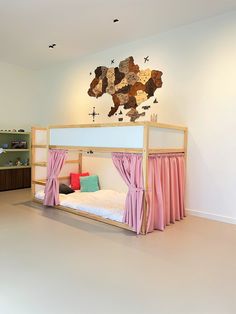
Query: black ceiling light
{"points": [[115, 20], [52, 46]]}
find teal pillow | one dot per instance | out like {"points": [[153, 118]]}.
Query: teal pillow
{"points": [[89, 184]]}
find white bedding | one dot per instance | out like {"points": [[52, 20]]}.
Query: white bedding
{"points": [[105, 203]]}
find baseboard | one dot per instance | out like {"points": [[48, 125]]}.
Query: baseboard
{"points": [[211, 216]]}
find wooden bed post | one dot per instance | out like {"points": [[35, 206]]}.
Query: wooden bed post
{"points": [[185, 157], [32, 162], [145, 176], [185, 143], [80, 168], [48, 142]]}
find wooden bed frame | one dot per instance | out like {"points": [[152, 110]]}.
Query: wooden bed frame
{"points": [[145, 151]]}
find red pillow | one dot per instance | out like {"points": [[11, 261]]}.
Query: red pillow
{"points": [[75, 181]]}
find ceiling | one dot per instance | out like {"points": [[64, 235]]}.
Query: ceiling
{"points": [[80, 27]]}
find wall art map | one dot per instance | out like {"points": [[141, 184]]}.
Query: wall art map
{"points": [[127, 84]]}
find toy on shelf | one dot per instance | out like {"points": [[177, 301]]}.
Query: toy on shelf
{"points": [[19, 144], [25, 162], [18, 161], [2, 151]]}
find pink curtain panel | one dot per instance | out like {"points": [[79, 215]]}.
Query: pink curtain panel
{"points": [[165, 197], [130, 168], [56, 161]]}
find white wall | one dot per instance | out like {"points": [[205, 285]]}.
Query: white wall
{"points": [[18, 108], [199, 63]]}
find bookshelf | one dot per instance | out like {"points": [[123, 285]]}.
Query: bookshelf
{"points": [[15, 175]]}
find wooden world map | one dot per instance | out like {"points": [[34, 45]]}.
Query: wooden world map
{"points": [[127, 84]]}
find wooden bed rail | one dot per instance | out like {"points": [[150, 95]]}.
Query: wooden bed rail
{"points": [[120, 124], [44, 163], [118, 150], [43, 181], [90, 216], [86, 149]]}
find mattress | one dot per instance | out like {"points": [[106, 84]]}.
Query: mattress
{"points": [[105, 203]]}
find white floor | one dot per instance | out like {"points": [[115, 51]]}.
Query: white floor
{"points": [[53, 262]]}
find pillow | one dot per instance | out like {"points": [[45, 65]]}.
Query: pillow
{"points": [[74, 180], [65, 189], [89, 184]]}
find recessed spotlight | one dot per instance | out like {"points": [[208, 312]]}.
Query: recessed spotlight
{"points": [[115, 20], [52, 46]]}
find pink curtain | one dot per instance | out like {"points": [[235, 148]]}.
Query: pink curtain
{"points": [[56, 161], [165, 198], [130, 168]]}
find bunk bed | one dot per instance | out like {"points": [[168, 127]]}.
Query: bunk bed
{"points": [[149, 156]]}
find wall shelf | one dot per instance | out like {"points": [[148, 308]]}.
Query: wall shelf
{"points": [[14, 133], [16, 150], [14, 167]]}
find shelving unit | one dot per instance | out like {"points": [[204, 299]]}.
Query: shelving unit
{"points": [[15, 177]]}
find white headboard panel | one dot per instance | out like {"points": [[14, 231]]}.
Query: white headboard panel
{"points": [[124, 137], [165, 138]]}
